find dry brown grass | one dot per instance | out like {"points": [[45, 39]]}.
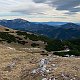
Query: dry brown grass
{"points": [[22, 58], [17, 63], [27, 61]]}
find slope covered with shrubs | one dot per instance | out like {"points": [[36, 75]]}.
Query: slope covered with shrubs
{"points": [[50, 44]]}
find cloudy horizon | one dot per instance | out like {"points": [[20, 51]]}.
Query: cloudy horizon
{"points": [[41, 10]]}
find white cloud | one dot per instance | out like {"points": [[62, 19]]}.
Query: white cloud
{"points": [[68, 5], [50, 10]]}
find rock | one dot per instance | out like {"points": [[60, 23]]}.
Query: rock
{"points": [[44, 79], [64, 76], [34, 71], [67, 55], [43, 68], [53, 65], [47, 71], [43, 62], [54, 79], [72, 56]]}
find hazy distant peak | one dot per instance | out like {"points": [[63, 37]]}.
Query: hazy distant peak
{"points": [[70, 25], [20, 20]]}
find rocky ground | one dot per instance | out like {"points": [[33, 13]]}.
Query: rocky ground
{"points": [[20, 64]]}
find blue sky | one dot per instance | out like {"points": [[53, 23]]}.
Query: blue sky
{"points": [[41, 10]]}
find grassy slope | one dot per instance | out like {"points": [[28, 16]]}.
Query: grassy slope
{"points": [[26, 61], [33, 40]]}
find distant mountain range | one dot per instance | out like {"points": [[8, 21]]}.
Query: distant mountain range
{"points": [[54, 23], [59, 30], [51, 23]]}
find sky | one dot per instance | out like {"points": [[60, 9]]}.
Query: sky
{"points": [[41, 10]]}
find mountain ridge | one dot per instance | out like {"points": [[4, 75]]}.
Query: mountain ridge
{"points": [[65, 31]]}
